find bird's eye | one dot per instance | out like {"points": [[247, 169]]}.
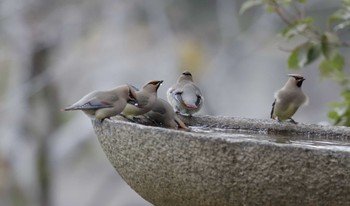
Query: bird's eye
{"points": [[187, 74], [199, 98]]}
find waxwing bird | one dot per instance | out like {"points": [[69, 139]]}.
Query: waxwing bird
{"points": [[288, 99], [162, 113], [185, 97], [146, 97], [105, 104]]}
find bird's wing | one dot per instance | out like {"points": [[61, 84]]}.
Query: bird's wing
{"points": [[95, 103], [176, 94], [159, 109], [178, 97]]}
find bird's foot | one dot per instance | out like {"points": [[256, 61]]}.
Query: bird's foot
{"points": [[277, 119], [152, 121], [98, 121], [292, 121], [136, 119], [127, 118], [183, 114]]}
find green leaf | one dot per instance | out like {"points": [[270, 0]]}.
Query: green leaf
{"points": [[313, 53], [326, 68], [329, 67], [341, 17], [270, 8], [345, 94], [293, 60], [302, 1], [296, 28], [343, 80], [284, 2], [338, 62], [329, 44], [342, 25], [336, 104], [333, 115], [249, 4], [303, 55]]}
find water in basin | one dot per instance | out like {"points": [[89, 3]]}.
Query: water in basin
{"points": [[308, 141]]}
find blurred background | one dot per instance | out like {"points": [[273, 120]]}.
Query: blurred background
{"points": [[52, 52]]}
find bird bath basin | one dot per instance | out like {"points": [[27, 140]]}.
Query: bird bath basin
{"points": [[231, 161]]}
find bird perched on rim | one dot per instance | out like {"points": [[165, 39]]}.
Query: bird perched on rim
{"points": [[146, 97], [184, 96], [105, 104], [162, 113], [288, 99]]}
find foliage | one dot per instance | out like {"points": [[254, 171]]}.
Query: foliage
{"points": [[322, 45]]}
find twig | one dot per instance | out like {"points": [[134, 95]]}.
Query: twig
{"points": [[300, 14], [284, 49], [280, 13]]}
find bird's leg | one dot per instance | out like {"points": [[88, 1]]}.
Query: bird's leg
{"points": [[152, 121], [293, 121], [278, 120], [136, 119], [102, 120], [98, 122], [125, 117]]}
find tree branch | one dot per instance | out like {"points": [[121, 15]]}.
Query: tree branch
{"points": [[279, 11]]}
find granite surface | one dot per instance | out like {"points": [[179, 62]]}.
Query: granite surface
{"points": [[231, 161]]}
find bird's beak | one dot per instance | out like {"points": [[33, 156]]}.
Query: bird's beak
{"points": [[159, 83]]}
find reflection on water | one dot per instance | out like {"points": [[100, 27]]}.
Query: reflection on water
{"points": [[332, 145], [295, 140]]}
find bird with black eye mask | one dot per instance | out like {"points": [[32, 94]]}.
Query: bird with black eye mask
{"points": [[146, 97], [288, 99]]}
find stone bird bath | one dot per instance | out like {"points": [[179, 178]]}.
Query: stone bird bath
{"points": [[231, 161]]}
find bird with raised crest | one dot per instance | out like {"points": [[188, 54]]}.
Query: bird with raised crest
{"points": [[146, 97], [288, 99]]}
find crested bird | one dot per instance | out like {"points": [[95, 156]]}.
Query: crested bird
{"points": [[288, 99], [100, 105], [185, 96], [146, 97], [163, 114]]}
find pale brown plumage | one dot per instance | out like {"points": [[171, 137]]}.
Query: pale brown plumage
{"points": [[145, 98], [104, 104], [288, 99], [163, 114]]}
